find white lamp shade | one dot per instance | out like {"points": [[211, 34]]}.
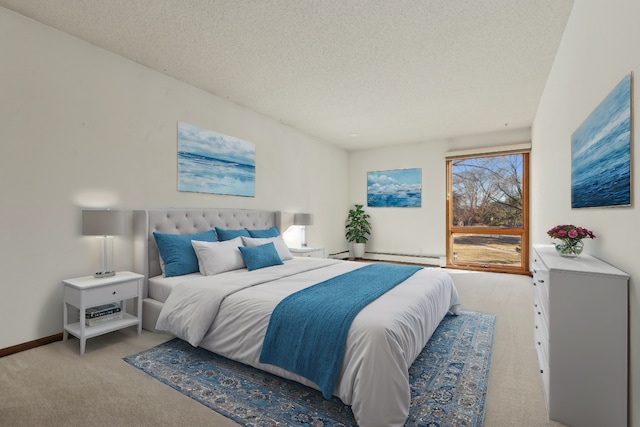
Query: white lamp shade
{"points": [[303, 219], [103, 222]]}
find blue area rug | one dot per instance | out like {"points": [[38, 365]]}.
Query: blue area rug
{"points": [[448, 381]]}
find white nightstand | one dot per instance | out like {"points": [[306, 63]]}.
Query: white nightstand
{"points": [[88, 291], [308, 252]]}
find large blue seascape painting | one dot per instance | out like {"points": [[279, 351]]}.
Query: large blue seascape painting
{"points": [[601, 153], [395, 188], [210, 162]]}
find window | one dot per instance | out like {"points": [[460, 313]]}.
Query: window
{"points": [[488, 212]]}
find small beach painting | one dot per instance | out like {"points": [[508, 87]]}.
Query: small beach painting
{"points": [[210, 162], [395, 188], [601, 153]]}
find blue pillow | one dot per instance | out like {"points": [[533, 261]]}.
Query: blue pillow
{"points": [[231, 234], [177, 252], [261, 234], [256, 257]]}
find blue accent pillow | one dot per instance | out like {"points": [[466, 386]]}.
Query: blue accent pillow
{"points": [[231, 234], [256, 257], [261, 234], [177, 253]]}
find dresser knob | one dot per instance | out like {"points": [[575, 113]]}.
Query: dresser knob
{"points": [[114, 292]]}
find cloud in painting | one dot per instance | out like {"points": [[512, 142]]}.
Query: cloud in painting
{"points": [[387, 184], [210, 162], [207, 143], [396, 188]]}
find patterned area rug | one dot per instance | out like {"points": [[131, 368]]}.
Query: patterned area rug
{"points": [[448, 381]]}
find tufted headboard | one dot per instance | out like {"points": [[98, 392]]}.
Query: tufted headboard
{"points": [[146, 259]]}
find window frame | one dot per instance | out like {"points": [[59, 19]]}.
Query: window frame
{"points": [[523, 232]]}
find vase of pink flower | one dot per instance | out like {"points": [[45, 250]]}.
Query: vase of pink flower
{"points": [[570, 239]]}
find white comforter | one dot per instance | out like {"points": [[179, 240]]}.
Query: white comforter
{"points": [[228, 314]]}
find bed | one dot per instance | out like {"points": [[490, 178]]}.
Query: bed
{"points": [[382, 342]]}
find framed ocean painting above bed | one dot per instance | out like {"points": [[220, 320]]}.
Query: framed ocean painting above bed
{"points": [[211, 162], [395, 188], [601, 153]]}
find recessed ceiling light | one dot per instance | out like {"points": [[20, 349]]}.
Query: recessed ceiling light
{"points": [[354, 134]]}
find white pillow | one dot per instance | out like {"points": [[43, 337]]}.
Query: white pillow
{"points": [[218, 257], [278, 242]]}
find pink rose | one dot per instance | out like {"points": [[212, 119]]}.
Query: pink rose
{"points": [[573, 233], [561, 233]]}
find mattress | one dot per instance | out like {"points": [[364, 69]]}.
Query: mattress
{"points": [[160, 287]]}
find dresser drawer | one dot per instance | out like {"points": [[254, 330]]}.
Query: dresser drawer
{"points": [[541, 310], [543, 367], [541, 335], [541, 288], [541, 282], [110, 293]]}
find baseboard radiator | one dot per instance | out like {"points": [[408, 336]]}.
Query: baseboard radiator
{"points": [[432, 260]]}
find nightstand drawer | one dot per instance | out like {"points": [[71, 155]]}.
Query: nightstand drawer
{"points": [[314, 254], [308, 252], [111, 293]]}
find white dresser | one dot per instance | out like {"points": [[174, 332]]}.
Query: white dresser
{"points": [[581, 338]]}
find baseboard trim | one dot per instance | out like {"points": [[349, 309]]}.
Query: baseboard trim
{"points": [[29, 345]]}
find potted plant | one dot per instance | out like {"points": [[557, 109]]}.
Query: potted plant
{"points": [[358, 228]]}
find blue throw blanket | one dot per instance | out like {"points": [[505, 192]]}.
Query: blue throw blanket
{"points": [[308, 330]]}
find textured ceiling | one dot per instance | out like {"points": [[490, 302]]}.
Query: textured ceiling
{"points": [[391, 72]]}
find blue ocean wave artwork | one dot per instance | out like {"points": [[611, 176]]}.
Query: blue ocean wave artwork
{"points": [[395, 188], [210, 162], [601, 153]]}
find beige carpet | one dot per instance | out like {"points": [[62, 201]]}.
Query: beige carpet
{"points": [[54, 386]]}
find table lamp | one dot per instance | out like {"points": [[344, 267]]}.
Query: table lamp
{"points": [[104, 223], [303, 219]]}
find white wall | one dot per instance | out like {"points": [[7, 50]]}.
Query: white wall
{"points": [[416, 231], [599, 47], [81, 127]]}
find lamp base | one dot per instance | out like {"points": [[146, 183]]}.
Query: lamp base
{"points": [[104, 274]]}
